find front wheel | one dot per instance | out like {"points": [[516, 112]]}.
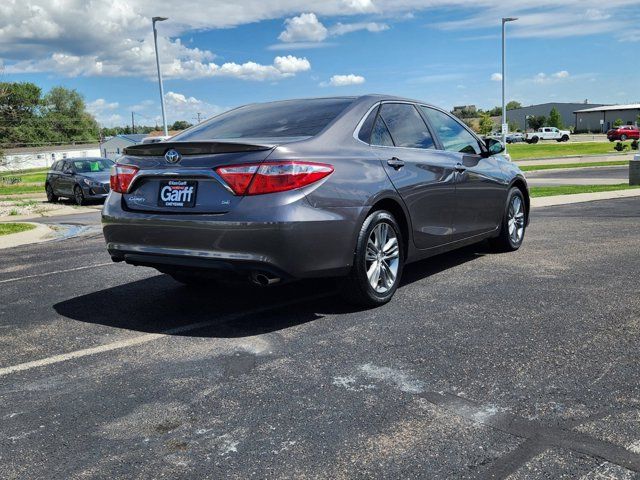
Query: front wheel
{"points": [[534, 140], [565, 138], [514, 223], [378, 261], [78, 196], [623, 137]]}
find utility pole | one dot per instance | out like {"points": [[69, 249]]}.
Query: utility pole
{"points": [[133, 124], [505, 125], [199, 117], [155, 43]]}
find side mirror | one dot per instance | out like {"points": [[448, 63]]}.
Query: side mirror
{"points": [[68, 171], [494, 146]]}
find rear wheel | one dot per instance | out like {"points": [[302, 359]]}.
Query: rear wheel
{"points": [[78, 196], [378, 261], [514, 223], [51, 196]]}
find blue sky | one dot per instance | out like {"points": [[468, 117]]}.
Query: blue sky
{"points": [[221, 54]]}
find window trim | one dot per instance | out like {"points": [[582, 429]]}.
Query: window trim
{"points": [[436, 140]]}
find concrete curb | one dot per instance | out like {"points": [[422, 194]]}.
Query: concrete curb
{"points": [[41, 233], [582, 197]]}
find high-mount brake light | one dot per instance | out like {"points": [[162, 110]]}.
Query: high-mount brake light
{"points": [[121, 177], [271, 177]]}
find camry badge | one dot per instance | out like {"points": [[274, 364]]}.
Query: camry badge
{"points": [[172, 156]]}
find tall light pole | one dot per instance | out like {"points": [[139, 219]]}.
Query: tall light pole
{"points": [[504, 105], [155, 43]]}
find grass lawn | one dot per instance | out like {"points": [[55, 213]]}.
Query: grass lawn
{"points": [[569, 189], [533, 168], [27, 176], [7, 228], [18, 188], [549, 149]]}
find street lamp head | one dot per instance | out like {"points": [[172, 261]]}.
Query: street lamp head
{"points": [[509, 19], [159, 19]]}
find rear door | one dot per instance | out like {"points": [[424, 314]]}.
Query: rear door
{"points": [[423, 176], [480, 185]]}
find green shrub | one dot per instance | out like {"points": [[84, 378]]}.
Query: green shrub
{"points": [[634, 145], [620, 147]]}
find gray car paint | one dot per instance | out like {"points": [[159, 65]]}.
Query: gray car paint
{"points": [[311, 231], [63, 183]]}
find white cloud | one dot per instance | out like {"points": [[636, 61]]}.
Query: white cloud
{"points": [[304, 28], [496, 77], [181, 107], [344, 28], [112, 37], [554, 77], [344, 80]]}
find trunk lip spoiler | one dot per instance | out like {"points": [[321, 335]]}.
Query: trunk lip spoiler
{"points": [[194, 148]]}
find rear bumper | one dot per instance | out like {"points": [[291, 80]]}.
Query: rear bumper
{"points": [[281, 235]]}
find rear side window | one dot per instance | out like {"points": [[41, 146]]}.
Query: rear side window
{"points": [[365, 129], [454, 136], [380, 134], [406, 126], [292, 118]]}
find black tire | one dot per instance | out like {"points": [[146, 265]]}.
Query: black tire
{"points": [[78, 196], [535, 140], [51, 196], [504, 242], [623, 137], [565, 138], [356, 286]]}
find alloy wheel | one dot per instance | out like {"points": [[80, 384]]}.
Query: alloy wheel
{"points": [[516, 219], [382, 257]]}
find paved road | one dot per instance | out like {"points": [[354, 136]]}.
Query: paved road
{"points": [[482, 366], [580, 176]]}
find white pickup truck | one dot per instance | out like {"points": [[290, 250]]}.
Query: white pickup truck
{"points": [[547, 133]]}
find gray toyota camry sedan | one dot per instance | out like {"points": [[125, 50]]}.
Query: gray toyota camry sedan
{"points": [[351, 187]]}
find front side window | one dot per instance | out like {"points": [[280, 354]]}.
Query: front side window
{"points": [[286, 119], [454, 136], [406, 126]]}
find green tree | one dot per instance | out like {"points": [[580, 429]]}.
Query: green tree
{"points": [[618, 123], [536, 122], [555, 120], [180, 125], [513, 105], [19, 109], [65, 115], [486, 124], [513, 126]]}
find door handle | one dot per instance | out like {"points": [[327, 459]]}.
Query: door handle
{"points": [[460, 167], [395, 162]]}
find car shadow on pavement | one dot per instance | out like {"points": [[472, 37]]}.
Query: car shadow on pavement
{"points": [[158, 304]]}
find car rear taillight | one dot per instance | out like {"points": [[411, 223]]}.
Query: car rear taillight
{"points": [[271, 177], [121, 177]]}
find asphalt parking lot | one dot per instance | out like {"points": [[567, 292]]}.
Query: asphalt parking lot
{"points": [[521, 365]]}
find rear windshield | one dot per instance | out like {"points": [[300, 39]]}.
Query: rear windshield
{"points": [[292, 118], [93, 165]]}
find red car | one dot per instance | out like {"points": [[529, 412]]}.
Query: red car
{"points": [[623, 133]]}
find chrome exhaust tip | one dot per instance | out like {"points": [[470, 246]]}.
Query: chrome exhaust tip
{"points": [[263, 279]]}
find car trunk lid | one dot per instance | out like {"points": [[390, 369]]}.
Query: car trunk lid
{"points": [[179, 177]]}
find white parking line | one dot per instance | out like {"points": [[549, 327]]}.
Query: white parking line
{"points": [[57, 271], [149, 337]]}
